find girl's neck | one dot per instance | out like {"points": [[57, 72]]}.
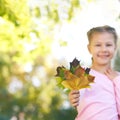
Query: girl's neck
{"points": [[100, 68]]}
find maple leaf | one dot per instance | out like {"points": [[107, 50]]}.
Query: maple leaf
{"points": [[60, 72], [91, 78], [74, 64], [75, 83], [87, 70], [79, 71], [76, 78]]}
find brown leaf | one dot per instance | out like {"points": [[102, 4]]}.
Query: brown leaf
{"points": [[74, 63], [91, 78], [79, 71]]}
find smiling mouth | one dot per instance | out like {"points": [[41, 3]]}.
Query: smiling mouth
{"points": [[103, 56]]}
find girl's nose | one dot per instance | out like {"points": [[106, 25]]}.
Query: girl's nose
{"points": [[104, 48]]}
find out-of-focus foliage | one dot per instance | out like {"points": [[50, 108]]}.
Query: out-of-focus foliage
{"points": [[56, 10], [117, 58], [117, 61], [27, 87]]}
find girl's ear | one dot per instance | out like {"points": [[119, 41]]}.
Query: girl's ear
{"points": [[115, 47], [88, 46]]}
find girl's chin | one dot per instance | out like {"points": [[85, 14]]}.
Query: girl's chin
{"points": [[103, 62]]}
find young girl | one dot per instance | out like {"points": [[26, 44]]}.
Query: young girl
{"points": [[102, 100]]}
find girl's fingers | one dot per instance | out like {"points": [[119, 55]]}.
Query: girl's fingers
{"points": [[75, 100], [111, 74], [74, 97], [75, 104], [74, 94], [108, 71]]}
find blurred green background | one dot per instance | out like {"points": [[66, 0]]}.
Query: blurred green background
{"points": [[28, 89]]}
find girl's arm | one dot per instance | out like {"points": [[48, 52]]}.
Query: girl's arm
{"points": [[74, 98], [116, 82], [115, 77]]}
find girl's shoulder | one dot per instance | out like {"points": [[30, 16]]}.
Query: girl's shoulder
{"points": [[118, 72]]}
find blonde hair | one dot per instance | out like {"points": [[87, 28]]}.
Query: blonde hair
{"points": [[102, 29]]}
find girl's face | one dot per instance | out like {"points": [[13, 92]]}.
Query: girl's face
{"points": [[102, 48]]}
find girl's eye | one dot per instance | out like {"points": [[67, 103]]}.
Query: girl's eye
{"points": [[97, 45], [109, 45]]}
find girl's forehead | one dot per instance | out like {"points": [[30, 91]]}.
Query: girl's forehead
{"points": [[104, 36]]}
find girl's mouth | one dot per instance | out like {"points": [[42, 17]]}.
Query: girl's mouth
{"points": [[103, 56]]}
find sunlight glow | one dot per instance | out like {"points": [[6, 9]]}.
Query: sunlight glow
{"points": [[15, 85], [91, 15], [36, 81]]}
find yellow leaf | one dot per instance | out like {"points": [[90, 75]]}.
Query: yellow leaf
{"points": [[75, 83]]}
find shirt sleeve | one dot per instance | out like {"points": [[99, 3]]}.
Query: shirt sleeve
{"points": [[116, 83]]}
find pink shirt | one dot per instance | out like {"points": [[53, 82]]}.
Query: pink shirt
{"points": [[101, 101]]}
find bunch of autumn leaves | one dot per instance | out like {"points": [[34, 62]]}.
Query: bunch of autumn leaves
{"points": [[74, 78]]}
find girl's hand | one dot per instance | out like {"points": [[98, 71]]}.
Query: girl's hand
{"points": [[74, 98], [111, 74]]}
